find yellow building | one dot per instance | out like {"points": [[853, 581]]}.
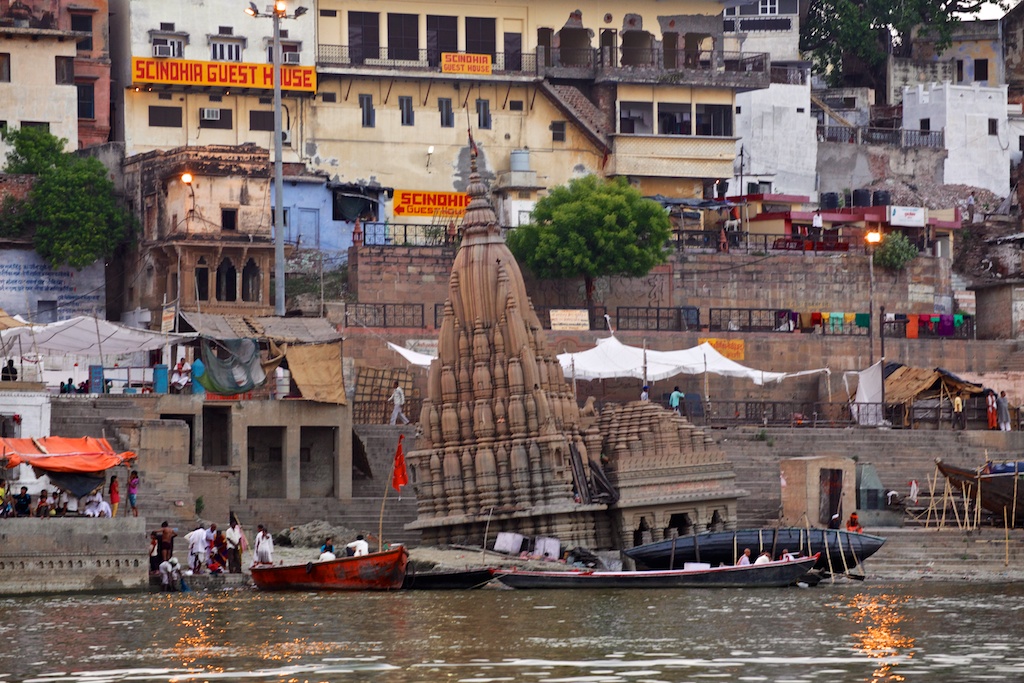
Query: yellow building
{"points": [[550, 92]]}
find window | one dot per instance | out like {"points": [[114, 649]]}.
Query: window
{"points": [[925, 125], [328, 13], [513, 52], [714, 120], [284, 217], [86, 101], [220, 121], [229, 219], [739, 110], [83, 24], [46, 311], [167, 26], [444, 105], [164, 96], [993, 126], [368, 113], [442, 36], [329, 97], [405, 106], [558, 131], [959, 71], [981, 70], [636, 118], [165, 117], [261, 120], [363, 36], [225, 51], [480, 36], [1020, 143], [286, 48], [45, 125], [169, 47], [515, 105], [5, 67], [674, 119], [230, 31], [227, 281], [768, 7], [65, 70], [730, 11], [202, 280], [216, 98], [251, 281], [483, 114], [403, 37]]}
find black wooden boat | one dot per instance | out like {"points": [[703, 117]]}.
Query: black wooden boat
{"points": [[840, 550], [768, 575], [453, 579], [1001, 487]]}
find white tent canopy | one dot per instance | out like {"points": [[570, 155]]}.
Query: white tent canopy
{"points": [[414, 357], [611, 358], [86, 336]]}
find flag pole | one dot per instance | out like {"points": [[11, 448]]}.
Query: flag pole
{"points": [[384, 498]]}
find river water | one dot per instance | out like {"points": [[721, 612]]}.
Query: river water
{"points": [[845, 632]]}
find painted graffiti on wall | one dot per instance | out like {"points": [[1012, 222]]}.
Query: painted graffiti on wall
{"points": [[29, 287]]}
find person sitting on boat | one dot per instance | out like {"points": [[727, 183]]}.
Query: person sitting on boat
{"points": [[786, 556], [358, 547], [744, 558], [327, 550], [763, 558], [263, 547], [853, 524]]}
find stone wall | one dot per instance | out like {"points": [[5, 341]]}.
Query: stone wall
{"points": [[844, 166]]}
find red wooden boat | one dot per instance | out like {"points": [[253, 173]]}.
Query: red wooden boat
{"points": [[383, 571]]}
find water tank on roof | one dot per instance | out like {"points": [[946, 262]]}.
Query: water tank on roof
{"points": [[862, 197], [829, 200], [881, 198], [519, 160]]}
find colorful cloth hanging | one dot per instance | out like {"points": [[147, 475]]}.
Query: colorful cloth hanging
{"points": [[862, 320], [912, 326]]}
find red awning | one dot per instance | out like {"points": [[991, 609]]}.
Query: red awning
{"points": [[62, 454]]}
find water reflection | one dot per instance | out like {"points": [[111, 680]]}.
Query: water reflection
{"points": [[879, 617]]}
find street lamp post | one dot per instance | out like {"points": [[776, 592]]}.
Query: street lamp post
{"points": [[872, 238], [277, 11]]}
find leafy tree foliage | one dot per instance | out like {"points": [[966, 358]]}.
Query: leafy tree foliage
{"points": [[894, 252], [592, 228], [850, 39], [72, 206]]}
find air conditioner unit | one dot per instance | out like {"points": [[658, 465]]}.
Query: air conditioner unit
{"points": [[163, 50], [209, 114], [291, 57], [286, 137]]}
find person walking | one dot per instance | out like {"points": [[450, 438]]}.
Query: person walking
{"points": [[958, 412], [398, 399], [1003, 411], [133, 493], [674, 400]]}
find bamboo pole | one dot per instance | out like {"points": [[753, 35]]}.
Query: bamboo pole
{"points": [[1006, 528], [1016, 479], [839, 539], [977, 506], [487, 527]]}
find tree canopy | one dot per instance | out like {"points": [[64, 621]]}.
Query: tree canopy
{"points": [[851, 39], [71, 211], [593, 228]]}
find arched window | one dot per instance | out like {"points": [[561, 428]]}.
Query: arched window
{"points": [[227, 281], [251, 281], [202, 280]]}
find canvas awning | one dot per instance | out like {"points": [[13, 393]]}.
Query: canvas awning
{"points": [[906, 384], [416, 358], [8, 321], [63, 454], [86, 336], [278, 329], [611, 358], [317, 370]]}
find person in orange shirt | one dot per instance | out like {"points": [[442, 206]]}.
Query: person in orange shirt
{"points": [[853, 524]]}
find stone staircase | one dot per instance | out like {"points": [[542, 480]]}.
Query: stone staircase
{"points": [[947, 553], [899, 456]]}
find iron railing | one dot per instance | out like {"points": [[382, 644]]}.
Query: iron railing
{"points": [[903, 138], [745, 242], [385, 315], [655, 318], [897, 329], [415, 59]]}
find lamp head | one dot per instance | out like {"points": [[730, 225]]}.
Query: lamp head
{"points": [[430, 150], [873, 237], [299, 11], [252, 10], [280, 7], [186, 178]]}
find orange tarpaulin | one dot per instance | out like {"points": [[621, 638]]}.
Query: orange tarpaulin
{"points": [[62, 454]]}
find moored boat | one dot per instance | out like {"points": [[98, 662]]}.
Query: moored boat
{"points": [[447, 579], [770, 574], [1000, 486], [381, 571], [839, 549]]}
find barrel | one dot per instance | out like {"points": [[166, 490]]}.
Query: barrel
{"points": [[519, 160], [862, 197], [881, 198], [829, 200]]}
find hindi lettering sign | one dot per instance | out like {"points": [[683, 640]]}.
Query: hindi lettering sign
{"points": [[463, 63], [733, 349], [169, 313], [420, 203], [908, 216], [221, 74], [569, 319]]}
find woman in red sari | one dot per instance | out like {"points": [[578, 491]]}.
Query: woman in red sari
{"points": [[990, 405]]}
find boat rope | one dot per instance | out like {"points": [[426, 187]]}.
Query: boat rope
{"points": [[839, 544], [828, 555]]}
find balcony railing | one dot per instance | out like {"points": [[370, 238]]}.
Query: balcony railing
{"points": [[385, 315], [903, 138], [711, 240], [661, 319], [413, 59]]}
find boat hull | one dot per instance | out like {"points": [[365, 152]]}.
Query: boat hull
{"points": [[839, 550], [998, 491], [467, 579], [381, 571], [770, 575]]}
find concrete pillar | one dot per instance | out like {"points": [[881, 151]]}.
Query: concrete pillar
{"points": [[343, 459], [291, 443], [238, 450]]}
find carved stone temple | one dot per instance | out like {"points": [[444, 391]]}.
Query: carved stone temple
{"points": [[505, 447]]}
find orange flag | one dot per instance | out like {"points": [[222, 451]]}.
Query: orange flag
{"points": [[400, 477]]}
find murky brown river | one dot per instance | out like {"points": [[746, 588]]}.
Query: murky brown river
{"points": [[854, 632]]}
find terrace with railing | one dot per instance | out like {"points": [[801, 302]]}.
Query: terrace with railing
{"points": [[903, 138]]}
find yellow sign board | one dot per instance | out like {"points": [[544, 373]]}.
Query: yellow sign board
{"points": [[733, 349], [421, 203], [563, 319], [463, 63], [169, 313], [221, 74]]}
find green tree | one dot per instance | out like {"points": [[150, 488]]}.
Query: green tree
{"points": [[894, 252], [592, 228], [72, 206], [849, 40]]}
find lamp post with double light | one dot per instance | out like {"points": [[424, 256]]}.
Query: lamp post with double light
{"points": [[277, 11]]}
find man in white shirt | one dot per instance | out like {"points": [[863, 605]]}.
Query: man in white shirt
{"points": [[763, 558], [398, 398], [359, 546]]}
